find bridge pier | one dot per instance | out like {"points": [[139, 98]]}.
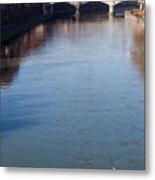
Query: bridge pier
{"points": [[111, 9], [111, 5], [44, 9], [77, 10]]}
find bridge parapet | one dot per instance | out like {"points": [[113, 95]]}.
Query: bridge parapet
{"points": [[112, 2]]}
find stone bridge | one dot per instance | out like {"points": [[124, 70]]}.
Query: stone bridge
{"points": [[110, 3]]}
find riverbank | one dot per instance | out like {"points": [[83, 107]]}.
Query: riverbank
{"points": [[14, 30], [138, 13], [18, 18]]}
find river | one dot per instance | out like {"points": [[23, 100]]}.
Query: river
{"points": [[72, 95]]}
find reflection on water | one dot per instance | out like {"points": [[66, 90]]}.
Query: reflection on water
{"points": [[138, 50], [74, 95], [12, 52]]}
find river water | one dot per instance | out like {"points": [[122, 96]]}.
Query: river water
{"points": [[72, 95]]}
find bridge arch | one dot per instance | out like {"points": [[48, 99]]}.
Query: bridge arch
{"points": [[91, 7], [122, 6], [103, 6], [64, 7]]}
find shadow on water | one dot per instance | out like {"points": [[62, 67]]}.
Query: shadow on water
{"points": [[13, 125]]}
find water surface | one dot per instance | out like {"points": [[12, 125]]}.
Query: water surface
{"points": [[72, 95]]}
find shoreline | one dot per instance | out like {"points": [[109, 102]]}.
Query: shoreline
{"points": [[12, 31]]}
